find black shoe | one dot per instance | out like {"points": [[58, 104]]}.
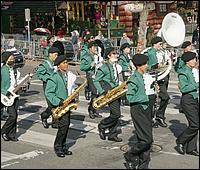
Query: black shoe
{"points": [[13, 139], [102, 133], [60, 153], [161, 122], [54, 125], [115, 139], [91, 113], [45, 124], [97, 115], [5, 137], [67, 152], [155, 124], [131, 164], [195, 153], [180, 149]]}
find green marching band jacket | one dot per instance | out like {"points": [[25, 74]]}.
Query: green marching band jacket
{"points": [[44, 70], [5, 79], [136, 90], [56, 89], [106, 73], [179, 64], [187, 83], [86, 61], [152, 59], [124, 62]]}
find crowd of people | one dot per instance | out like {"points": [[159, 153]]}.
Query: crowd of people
{"points": [[103, 74]]}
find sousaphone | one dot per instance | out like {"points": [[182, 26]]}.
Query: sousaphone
{"points": [[172, 29]]}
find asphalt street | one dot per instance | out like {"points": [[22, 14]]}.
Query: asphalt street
{"points": [[34, 150]]}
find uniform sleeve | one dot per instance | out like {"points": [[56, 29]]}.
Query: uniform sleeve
{"points": [[85, 64], [186, 86], [132, 88], [123, 63], [42, 73], [99, 76], [50, 92], [5, 81]]}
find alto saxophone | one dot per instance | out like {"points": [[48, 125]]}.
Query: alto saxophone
{"points": [[67, 105], [111, 95]]}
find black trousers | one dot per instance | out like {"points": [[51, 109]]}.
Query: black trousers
{"points": [[143, 130], [151, 108], [112, 120], [45, 114], [125, 78], [164, 97], [10, 126], [191, 110], [92, 89], [63, 128]]}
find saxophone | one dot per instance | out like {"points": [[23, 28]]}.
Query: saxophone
{"points": [[111, 95], [67, 105]]}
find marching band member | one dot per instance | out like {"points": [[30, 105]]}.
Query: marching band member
{"points": [[187, 140], [138, 157], [107, 78], [89, 66], [186, 46], [83, 54], [56, 92], [163, 83], [126, 64], [43, 72], [9, 77]]}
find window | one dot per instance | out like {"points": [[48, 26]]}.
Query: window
{"points": [[163, 8]]}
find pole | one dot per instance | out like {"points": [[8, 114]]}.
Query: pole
{"points": [[29, 38]]}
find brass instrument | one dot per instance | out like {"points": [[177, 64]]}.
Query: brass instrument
{"points": [[111, 95], [67, 105]]}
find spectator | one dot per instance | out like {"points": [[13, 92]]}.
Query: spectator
{"points": [[195, 36], [125, 39], [99, 36]]}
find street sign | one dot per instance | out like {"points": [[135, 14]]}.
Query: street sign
{"points": [[27, 14]]}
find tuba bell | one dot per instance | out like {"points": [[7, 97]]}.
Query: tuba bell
{"points": [[172, 29]]}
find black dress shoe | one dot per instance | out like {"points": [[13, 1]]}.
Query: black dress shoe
{"points": [[60, 153], [67, 152], [195, 153], [91, 113], [133, 164], [102, 133], [13, 139], [161, 122], [180, 149], [155, 124], [5, 137], [97, 115], [45, 124], [115, 139]]}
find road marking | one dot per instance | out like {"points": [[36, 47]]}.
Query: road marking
{"points": [[39, 138], [6, 156]]}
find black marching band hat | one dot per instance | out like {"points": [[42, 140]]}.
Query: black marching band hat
{"points": [[60, 59], [5, 55], [139, 59], [186, 44], [187, 56], [123, 46], [108, 51], [53, 50], [156, 40], [91, 44]]}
